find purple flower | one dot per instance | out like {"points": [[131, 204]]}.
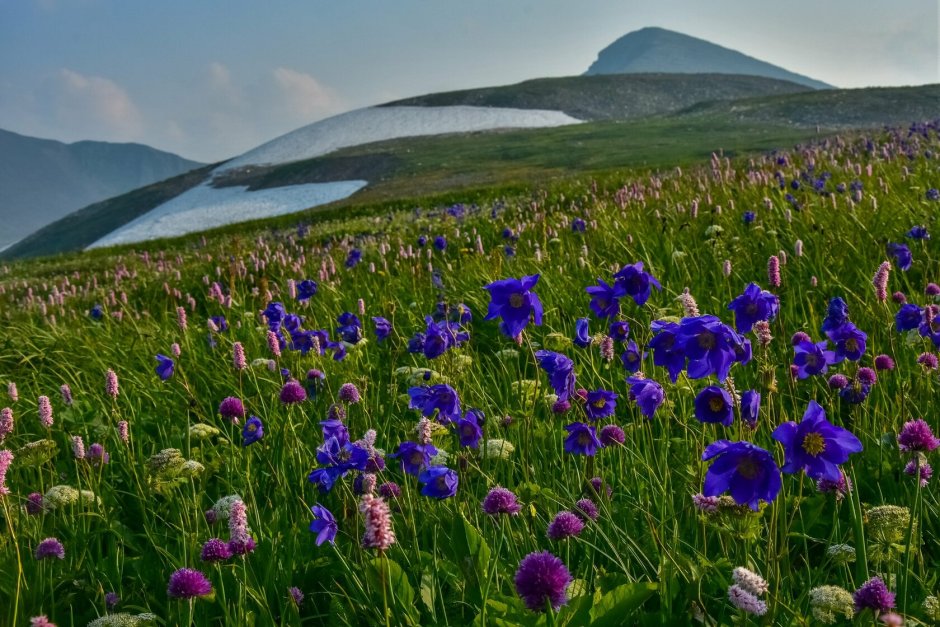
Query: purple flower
{"points": [[439, 482], [560, 371], [215, 550], [605, 299], [812, 359], [918, 232], [837, 314], [631, 358], [389, 490], [187, 583], [866, 376], [586, 510], [468, 429], [293, 392], [353, 258], [499, 500], [513, 301], [909, 317], [600, 404], [916, 436], [252, 431], [581, 440], [542, 580], [296, 595], [874, 595], [582, 337], [902, 256], [111, 599], [619, 331], [753, 305], [746, 470], [164, 367], [564, 525], [50, 547], [349, 393], [383, 328], [350, 328], [611, 435], [636, 282], [440, 242], [714, 405], [647, 394], [323, 524], [414, 456], [849, 341], [441, 398], [750, 408], [306, 290], [709, 344], [815, 445], [232, 408], [884, 362], [667, 351]]}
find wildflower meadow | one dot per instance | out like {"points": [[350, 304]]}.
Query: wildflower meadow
{"points": [[704, 395]]}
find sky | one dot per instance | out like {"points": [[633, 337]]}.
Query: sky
{"points": [[210, 79]]}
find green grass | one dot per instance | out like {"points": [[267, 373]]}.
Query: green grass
{"points": [[650, 559]]}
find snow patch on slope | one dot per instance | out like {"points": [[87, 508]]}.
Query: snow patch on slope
{"points": [[205, 207], [373, 124]]}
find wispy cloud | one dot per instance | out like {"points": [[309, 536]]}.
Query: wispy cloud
{"points": [[304, 96], [98, 103]]}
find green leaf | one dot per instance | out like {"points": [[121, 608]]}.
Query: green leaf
{"points": [[381, 571], [616, 605], [473, 557]]}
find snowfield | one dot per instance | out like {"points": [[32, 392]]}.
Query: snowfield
{"points": [[205, 207], [373, 124]]}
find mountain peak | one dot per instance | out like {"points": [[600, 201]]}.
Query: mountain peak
{"points": [[655, 49]]}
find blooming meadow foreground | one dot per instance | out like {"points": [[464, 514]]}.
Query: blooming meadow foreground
{"points": [[701, 396]]}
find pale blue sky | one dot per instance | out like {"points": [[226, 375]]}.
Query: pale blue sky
{"points": [[210, 79]]}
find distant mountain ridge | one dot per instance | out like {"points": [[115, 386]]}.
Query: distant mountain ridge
{"points": [[659, 50], [42, 180]]}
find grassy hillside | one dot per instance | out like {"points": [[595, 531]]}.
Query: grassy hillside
{"points": [[834, 108], [414, 167], [406, 168], [613, 97], [648, 493]]}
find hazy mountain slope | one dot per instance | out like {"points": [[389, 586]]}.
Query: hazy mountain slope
{"points": [[611, 97], [42, 180], [660, 50]]}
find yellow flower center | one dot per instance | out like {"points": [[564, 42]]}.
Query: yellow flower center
{"points": [[516, 300], [716, 403], [707, 340], [814, 444], [417, 458], [599, 403], [584, 439], [851, 345], [252, 428]]}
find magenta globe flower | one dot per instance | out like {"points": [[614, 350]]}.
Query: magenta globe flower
{"points": [[499, 500], [188, 583], [542, 580], [816, 445]]}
